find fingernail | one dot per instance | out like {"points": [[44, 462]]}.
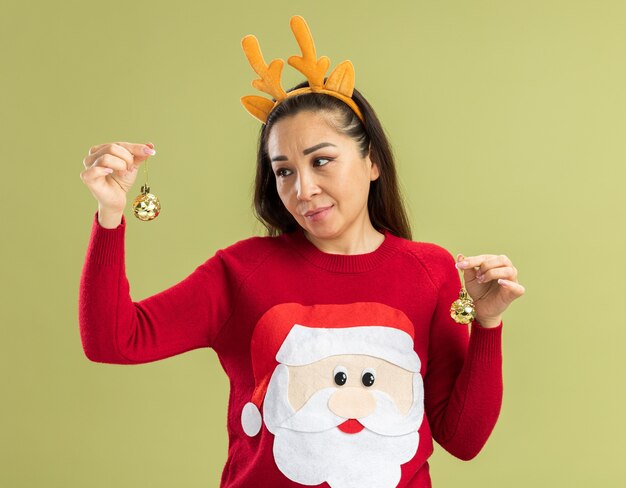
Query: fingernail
{"points": [[150, 144], [108, 170], [149, 150]]}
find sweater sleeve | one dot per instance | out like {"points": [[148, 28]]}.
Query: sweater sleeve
{"points": [[115, 329], [463, 383]]}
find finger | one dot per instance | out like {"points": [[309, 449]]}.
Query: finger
{"points": [[110, 161], [493, 261], [130, 153], [464, 263], [496, 262], [140, 152], [514, 288], [109, 148], [484, 262], [505, 272], [93, 149], [95, 172], [468, 262], [97, 147]]}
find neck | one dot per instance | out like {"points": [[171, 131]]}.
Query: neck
{"points": [[360, 240]]}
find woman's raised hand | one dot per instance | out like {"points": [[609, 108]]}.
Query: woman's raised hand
{"points": [[111, 169], [491, 281]]}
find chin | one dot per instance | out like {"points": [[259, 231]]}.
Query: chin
{"points": [[323, 233]]}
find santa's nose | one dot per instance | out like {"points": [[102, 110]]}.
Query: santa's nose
{"points": [[352, 403]]}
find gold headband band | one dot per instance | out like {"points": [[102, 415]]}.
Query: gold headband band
{"points": [[340, 83]]}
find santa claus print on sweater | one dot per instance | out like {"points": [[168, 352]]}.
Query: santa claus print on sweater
{"points": [[341, 392]]}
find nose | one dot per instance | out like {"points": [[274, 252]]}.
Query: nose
{"points": [[352, 403], [306, 186]]}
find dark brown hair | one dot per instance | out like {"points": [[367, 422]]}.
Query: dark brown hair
{"points": [[384, 203]]}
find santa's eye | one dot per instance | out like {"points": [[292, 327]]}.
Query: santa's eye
{"points": [[368, 377], [340, 375]]}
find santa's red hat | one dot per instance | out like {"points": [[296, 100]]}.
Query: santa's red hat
{"points": [[295, 335]]}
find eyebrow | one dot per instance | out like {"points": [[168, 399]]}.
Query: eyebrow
{"points": [[306, 151]]}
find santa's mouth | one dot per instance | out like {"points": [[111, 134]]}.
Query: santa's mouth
{"points": [[351, 426]]}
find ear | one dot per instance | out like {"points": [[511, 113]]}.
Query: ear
{"points": [[374, 169]]}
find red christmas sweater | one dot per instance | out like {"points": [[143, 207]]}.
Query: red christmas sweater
{"points": [[342, 368]]}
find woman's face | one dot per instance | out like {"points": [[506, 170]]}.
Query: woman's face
{"points": [[320, 176]]}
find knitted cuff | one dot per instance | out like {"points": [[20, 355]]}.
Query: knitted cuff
{"points": [[106, 246], [486, 343]]}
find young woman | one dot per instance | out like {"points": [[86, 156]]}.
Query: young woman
{"points": [[334, 329]]}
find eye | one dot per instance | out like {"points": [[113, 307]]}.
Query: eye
{"points": [[282, 172], [328, 160], [368, 377], [340, 375]]}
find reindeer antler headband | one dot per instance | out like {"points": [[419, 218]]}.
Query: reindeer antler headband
{"points": [[340, 83]]}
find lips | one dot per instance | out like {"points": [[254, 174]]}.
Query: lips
{"points": [[351, 426], [316, 210]]}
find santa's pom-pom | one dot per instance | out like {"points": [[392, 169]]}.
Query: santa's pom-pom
{"points": [[251, 419]]}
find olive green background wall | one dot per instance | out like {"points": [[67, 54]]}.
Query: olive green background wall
{"points": [[508, 122]]}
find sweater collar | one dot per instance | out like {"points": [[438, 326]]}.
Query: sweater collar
{"points": [[342, 263]]}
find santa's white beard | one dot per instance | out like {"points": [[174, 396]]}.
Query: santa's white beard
{"points": [[309, 448]]}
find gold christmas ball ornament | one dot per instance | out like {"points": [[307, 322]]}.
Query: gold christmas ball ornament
{"points": [[146, 206], [462, 309]]}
